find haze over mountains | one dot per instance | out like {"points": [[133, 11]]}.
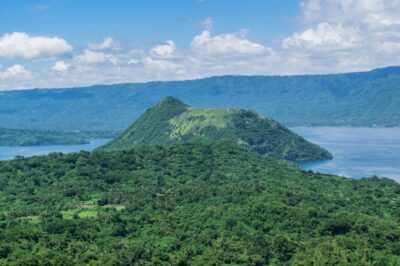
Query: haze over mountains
{"points": [[353, 99]]}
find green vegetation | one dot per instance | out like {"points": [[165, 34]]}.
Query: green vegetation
{"points": [[171, 121], [191, 204], [355, 99], [20, 137]]}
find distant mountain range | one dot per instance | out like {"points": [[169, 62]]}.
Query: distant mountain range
{"points": [[171, 121], [355, 99]]}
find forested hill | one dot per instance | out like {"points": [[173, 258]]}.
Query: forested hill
{"points": [[171, 121], [354, 99], [191, 204], [22, 137]]}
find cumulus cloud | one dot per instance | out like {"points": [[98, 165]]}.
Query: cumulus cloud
{"points": [[347, 35], [15, 71], [228, 44], [167, 49], [16, 77], [325, 37], [157, 64], [21, 45], [372, 12], [92, 57], [332, 36], [107, 43], [61, 66]]}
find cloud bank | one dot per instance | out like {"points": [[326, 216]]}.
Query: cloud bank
{"points": [[332, 36], [21, 45]]}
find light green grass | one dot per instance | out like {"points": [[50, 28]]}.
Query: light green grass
{"points": [[68, 215], [81, 214], [117, 207], [88, 214], [193, 121], [88, 210], [90, 202]]}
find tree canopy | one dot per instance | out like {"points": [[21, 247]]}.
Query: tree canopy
{"points": [[191, 204]]}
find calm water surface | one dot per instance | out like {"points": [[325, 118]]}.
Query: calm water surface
{"points": [[358, 152], [8, 153]]}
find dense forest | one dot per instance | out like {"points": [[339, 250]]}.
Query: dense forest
{"points": [[171, 121], [191, 204], [22, 137], [354, 99]]}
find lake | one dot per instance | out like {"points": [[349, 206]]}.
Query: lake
{"points": [[358, 152], [7, 153]]}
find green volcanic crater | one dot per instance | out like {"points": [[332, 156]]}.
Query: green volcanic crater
{"points": [[172, 121]]}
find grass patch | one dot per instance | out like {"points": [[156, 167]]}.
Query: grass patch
{"points": [[88, 214], [68, 215], [194, 120], [117, 207], [89, 210]]}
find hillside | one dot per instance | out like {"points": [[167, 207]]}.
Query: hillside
{"points": [[191, 204], [171, 121], [21, 137], [354, 99]]}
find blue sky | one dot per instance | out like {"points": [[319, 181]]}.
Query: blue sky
{"points": [[64, 43], [145, 23]]}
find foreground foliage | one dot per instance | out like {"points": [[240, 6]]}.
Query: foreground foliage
{"points": [[171, 121], [191, 204]]}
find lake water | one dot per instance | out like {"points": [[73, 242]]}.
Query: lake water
{"points": [[358, 152], [7, 153]]}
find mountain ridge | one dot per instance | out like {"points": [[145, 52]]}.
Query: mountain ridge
{"points": [[380, 70], [351, 99]]}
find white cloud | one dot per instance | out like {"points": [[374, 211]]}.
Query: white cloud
{"points": [[225, 44], [346, 35], [167, 49], [21, 45], [325, 37], [390, 47], [372, 12], [15, 71], [107, 43], [92, 57], [16, 77], [157, 64], [61, 66], [333, 36]]}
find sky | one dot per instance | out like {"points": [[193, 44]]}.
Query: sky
{"points": [[68, 43]]}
